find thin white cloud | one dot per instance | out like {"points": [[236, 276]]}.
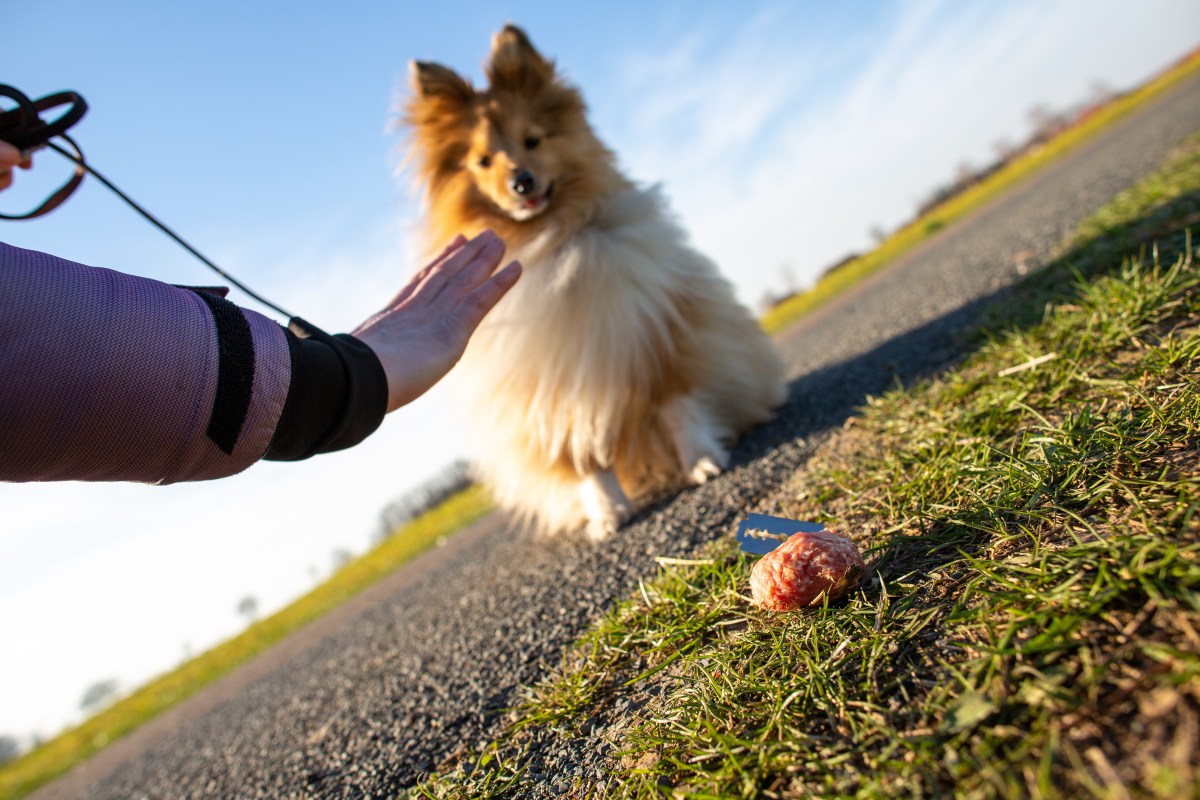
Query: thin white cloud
{"points": [[766, 176]]}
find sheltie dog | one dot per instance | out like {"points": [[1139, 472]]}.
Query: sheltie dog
{"points": [[621, 363]]}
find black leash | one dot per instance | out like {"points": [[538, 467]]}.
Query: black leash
{"points": [[23, 128]]}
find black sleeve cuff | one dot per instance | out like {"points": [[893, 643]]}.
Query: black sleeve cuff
{"points": [[337, 397]]}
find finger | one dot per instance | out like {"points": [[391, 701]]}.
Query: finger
{"points": [[457, 242], [10, 156], [415, 281], [485, 296], [486, 246], [5, 178], [474, 273], [490, 249]]}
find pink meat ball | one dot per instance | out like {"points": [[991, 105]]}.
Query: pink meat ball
{"points": [[804, 568]]}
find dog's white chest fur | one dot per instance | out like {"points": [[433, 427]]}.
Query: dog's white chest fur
{"points": [[621, 359]]}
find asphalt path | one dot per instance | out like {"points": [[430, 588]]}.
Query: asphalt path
{"points": [[423, 664]]}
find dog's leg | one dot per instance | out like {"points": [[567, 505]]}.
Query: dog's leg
{"points": [[604, 502], [707, 467], [697, 439]]}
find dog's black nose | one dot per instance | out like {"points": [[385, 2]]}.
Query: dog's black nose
{"points": [[522, 182]]}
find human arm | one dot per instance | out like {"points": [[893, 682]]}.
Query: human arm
{"points": [[107, 376]]}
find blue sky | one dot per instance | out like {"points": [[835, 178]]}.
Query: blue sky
{"points": [[263, 133]]}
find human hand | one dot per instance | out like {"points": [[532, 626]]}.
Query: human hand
{"points": [[423, 332], [11, 157]]}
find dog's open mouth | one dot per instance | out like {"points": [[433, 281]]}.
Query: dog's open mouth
{"points": [[539, 202], [530, 207]]}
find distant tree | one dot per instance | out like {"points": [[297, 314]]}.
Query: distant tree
{"points": [[788, 275], [839, 264], [1045, 122], [964, 174], [1004, 149], [10, 748], [1101, 92], [1039, 115], [451, 480], [878, 234], [248, 608], [340, 558], [98, 695]]}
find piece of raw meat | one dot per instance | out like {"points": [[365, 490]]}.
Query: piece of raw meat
{"points": [[803, 569]]}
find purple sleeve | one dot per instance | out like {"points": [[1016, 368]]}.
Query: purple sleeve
{"points": [[106, 376]]}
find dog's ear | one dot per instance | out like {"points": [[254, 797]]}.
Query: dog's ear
{"points": [[439, 113], [515, 64], [435, 82]]}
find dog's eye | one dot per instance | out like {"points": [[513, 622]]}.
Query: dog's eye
{"points": [[531, 142], [485, 161]]}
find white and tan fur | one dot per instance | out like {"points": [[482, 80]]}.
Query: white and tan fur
{"points": [[621, 363]]}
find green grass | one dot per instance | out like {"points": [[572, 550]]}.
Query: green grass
{"points": [[42, 764], [1030, 623], [954, 209]]}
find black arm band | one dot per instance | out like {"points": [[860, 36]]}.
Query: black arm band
{"points": [[337, 396]]}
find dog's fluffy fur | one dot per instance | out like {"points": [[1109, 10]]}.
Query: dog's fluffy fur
{"points": [[621, 362]]}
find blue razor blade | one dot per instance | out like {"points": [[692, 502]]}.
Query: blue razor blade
{"points": [[760, 534]]}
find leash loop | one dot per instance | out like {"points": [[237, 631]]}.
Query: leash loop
{"points": [[24, 129]]}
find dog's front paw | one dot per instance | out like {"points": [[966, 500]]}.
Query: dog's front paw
{"points": [[600, 528], [707, 467], [604, 503]]}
